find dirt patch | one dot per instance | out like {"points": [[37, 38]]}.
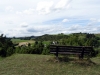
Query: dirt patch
{"points": [[25, 43]]}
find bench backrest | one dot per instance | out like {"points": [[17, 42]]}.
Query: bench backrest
{"points": [[71, 49]]}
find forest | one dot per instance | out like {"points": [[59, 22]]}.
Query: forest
{"points": [[41, 43]]}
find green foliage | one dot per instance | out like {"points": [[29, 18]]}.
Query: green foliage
{"points": [[48, 37], [6, 46], [75, 39], [23, 49], [37, 48], [18, 40], [46, 50]]}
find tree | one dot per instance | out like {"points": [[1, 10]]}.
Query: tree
{"points": [[6, 46], [38, 47]]}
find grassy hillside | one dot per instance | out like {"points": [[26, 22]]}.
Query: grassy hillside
{"points": [[24, 64]]}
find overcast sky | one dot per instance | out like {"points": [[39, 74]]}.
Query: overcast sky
{"points": [[38, 17]]}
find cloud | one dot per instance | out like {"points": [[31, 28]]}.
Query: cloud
{"points": [[75, 28], [40, 28], [82, 28], [47, 7], [94, 20], [46, 29], [9, 8], [62, 4], [8, 22], [98, 20], [0, 32], [30, 11], [65, 20], [17, 32], [24, 24], [37, 17], [50, 29], [44, 7]]}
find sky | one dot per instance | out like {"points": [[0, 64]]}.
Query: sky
{"points": [[39, 17]]}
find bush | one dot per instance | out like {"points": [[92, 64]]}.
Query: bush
{"points": [[45, 51], [6, 46]]}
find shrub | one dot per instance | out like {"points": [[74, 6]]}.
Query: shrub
{"points": [[6, 46]]}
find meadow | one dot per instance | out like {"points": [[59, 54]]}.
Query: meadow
{"points": [[18, 40], [32, 64], [21, 42], [27, 41]]}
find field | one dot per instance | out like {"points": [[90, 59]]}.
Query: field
{"points": [[27, 41], [30, 64], [22, 42]]}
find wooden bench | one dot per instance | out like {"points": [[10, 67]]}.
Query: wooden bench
{"points": [[81, 51]]}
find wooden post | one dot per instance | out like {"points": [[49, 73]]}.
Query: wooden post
{"points": [[82, 54], [57, 52]]}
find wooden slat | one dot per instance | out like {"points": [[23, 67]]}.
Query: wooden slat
{"points": [[70, 49]]}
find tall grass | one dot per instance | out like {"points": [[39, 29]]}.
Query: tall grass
{"points": [[24, 64]]}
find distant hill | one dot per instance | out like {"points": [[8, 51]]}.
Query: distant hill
{"points": [[24, 37], [48, 37], [74, 39]]}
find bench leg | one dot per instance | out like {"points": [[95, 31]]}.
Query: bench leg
{"points": [[57, 53], [56, 56], [80, 56], [82, 53]]}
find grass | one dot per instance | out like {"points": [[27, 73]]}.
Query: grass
{"points": [[46, 42], [27, 41], [25, 64], [19, 40]]}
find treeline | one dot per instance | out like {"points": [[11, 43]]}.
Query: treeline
{"points": [[25, 38], [48, 37], [75, 39]]}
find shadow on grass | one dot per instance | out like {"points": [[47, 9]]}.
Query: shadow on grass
{"points": [[73, 60]]}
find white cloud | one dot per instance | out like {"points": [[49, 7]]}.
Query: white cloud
{"points": [[98, 20], [94, 20], [30, 11], [35, 30], [9, 8], [65, 20], [46, 29], [49, 29], [44, 7], [0, 32], [9, 22], [74, 28], [21, 17], [24, 24], [47, 7], [62, 4]]}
